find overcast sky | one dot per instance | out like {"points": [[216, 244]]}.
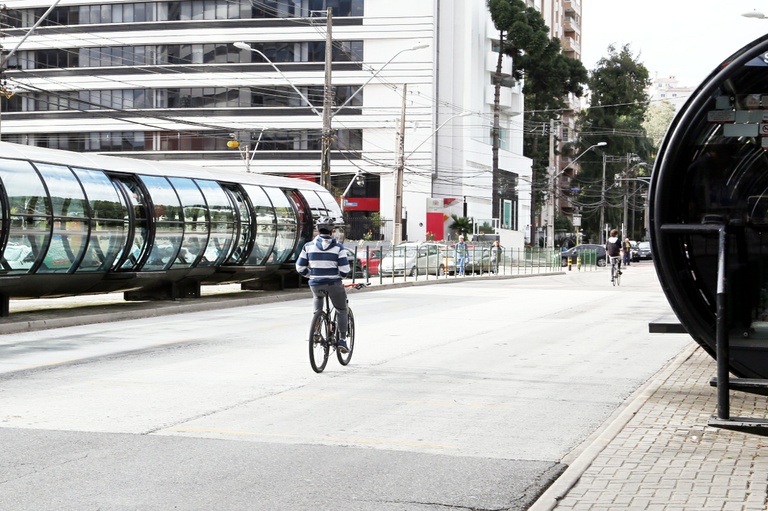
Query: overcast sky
{"points": [[684, 38]]}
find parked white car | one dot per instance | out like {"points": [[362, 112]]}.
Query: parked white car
{"points": [[413, 259]]}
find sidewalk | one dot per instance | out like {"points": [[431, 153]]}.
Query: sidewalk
{"points": [[658, 453]]}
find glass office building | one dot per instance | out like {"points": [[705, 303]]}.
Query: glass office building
{"points": [[163, 80]]}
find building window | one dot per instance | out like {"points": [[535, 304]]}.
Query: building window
{"points": [[181, 10], [185, 54]]}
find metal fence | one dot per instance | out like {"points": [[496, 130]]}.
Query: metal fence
{"points": [[512, 262]]}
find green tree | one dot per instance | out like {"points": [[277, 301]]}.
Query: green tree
{"points": [[461, 225], [618, 104], [657, 120], [549, 77]]}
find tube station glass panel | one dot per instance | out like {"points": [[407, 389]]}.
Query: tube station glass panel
{"points": [[29, 213], [139, 219], [305, 227], [287, 225], [195, 222], [70, 223], [330, 203], [316, 205], [108, 222], [222, 214], [168, 221], [266, 226], [243, 224]]}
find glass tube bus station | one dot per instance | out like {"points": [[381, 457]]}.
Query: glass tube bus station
{"points": [[709, 216], [74, 223]]}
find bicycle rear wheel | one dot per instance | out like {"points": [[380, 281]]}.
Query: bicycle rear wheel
{"points": [[319, 341], [618, 276], [344, 358]]}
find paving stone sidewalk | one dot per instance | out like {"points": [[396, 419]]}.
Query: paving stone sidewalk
{"points": [[666, 458]]}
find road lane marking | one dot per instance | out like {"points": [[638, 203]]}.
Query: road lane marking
{"points": [[397, 401], [367, 441]]}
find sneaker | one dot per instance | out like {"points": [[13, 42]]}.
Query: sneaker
{"points": [[620, 273], [342, 346]]}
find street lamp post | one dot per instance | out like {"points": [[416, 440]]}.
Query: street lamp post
{"points": [[245, 46], [551, 189], [9, 90], [623, 178], [602, 204], [628, 158], [245, 150], [6, 57]]}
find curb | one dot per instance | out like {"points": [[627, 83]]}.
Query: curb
{"points": [[581, 458], [136, 310]]}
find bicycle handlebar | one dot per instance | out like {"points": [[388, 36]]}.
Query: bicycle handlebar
{"points": [[358, 285]]}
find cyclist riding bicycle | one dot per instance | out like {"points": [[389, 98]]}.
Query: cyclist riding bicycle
{"points": [[613, 250], [324, 262]]}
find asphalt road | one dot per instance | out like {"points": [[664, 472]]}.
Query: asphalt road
{"points": [[469, 395]]}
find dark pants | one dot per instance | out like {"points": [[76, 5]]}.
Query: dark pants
{"points": [[338, 296]]}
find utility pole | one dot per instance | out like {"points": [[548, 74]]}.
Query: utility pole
{"points": [[551, 175], [625, 185], [397, 234], [602, 205], [327, 135]]}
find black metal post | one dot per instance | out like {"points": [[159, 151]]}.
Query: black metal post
{"points": [[721, 332], [722, 351]]}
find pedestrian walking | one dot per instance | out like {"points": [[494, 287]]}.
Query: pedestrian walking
{"points": [[462, 255], [496, 254]]}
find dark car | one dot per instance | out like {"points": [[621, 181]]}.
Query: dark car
{"points": [[644, 250], [588, 253], [355, 265]]}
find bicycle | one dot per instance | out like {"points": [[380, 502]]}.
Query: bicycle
{"points": [[323, 335], [615, 270]]}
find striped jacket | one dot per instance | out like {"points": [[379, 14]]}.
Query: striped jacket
{"points": [[323, 260]]}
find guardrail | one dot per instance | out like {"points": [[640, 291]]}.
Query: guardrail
{"points": [[439, 262]]}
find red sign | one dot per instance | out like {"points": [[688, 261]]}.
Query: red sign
{"points": [[362, 204]]}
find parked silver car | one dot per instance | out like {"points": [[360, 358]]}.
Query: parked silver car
{"points": [[413, 259]]}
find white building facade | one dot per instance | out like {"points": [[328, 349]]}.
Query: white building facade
{"points": [[164, 80]]}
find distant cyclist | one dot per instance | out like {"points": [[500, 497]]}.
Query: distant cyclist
{"points": [[613, 250], [324, 262]]}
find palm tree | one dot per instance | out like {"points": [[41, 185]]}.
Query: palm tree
{"points": [[462, 226]]}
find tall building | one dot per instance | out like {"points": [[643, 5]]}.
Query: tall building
{"points": [[410, 93], [668, 88], [563, 17]]}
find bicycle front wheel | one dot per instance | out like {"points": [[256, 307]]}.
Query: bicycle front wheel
{"points": [[319, 341], [344, 358]]}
